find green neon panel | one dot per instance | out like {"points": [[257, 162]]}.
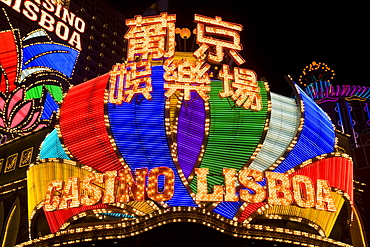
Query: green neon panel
{"points": [[233, 136], [36, 92]]}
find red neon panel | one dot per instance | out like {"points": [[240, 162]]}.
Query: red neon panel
{"points": [[8, 60], [57, 218], [338, 171], [83, 127]]}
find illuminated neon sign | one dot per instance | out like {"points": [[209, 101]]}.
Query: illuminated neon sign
{"points": [[136, 188], [53, 17], [170, 135], [154, 37]]}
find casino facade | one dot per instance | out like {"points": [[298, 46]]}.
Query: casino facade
{"points": [[149, 146]]}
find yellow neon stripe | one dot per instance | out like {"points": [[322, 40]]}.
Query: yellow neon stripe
{"points": [[357, 231]]}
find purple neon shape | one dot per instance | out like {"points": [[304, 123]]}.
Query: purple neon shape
{"points": [[190, 132]]}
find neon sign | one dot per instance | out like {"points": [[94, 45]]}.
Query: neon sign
{"points": [[154, 37], [281, 190], [53, 17], [170, 135]]}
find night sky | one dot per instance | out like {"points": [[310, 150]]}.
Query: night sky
{"points": [[280, 38]]}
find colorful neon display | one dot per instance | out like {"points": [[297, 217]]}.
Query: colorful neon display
{"points": [[24, 109], [149, 140], [226, 136]]}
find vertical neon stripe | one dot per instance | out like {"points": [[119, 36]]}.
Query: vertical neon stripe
{"points": [[233, 136]]}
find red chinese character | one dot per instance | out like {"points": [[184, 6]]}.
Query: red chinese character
{"points": [[153, 36], [187, 76], [245, 91], [210, 30], [126, 81]]}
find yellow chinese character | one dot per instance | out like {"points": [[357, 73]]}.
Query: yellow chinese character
{"points": [[154, 35], [187, 76], [245, 91], [210, 30], [126, 81]]}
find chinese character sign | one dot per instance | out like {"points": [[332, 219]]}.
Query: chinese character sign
{"points": [[154, 38], [151, 36], [187, 76], [209, 31], [244, 88], [126, 81]]}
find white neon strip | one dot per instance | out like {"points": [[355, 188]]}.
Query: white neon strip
{"points": [[283, 127], [27, 72], [35, 34]]}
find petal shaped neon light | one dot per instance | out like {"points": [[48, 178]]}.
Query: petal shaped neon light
{"points": [[8, 61], [283, 128], [190, 132], [83, 126], [51, 147], [53, 56]]}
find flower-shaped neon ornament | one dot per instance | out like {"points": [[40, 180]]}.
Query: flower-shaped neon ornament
{"points": [[19, 116], [27, 97]]}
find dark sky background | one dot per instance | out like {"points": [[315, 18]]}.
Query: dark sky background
{"points": [[282, 38]]}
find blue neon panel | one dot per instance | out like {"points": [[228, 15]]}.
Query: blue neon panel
{"points": [[60, 58], [50, 106], [317, 136], [228, 209], [139, 131], [52, 148]]}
